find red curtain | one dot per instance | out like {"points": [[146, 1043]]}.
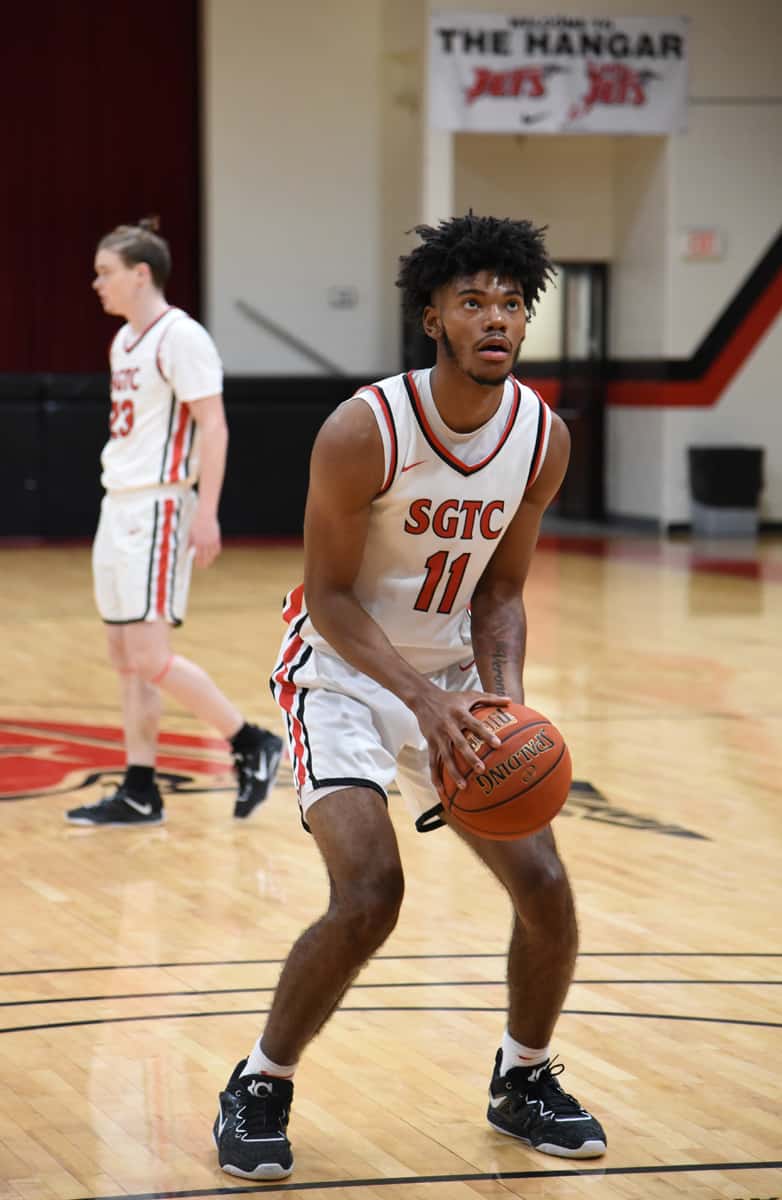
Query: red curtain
{"points": [[100, 127]]}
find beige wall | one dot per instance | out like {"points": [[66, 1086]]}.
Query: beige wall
{"points": [[314, 141], [292, 180], [402, 31], [640, 269], [727, 174], [563, 182], [749, 413]]}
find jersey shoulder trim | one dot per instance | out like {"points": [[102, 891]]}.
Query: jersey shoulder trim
{"points": [[381, 409], [541, 440], [442, 451]]}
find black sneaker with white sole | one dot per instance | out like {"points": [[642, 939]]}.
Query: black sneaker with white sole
{"points": [[120, 809], [528, 1103], [251, 1123], [256, 771]]}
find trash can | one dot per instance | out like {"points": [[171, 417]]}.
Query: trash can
{"points": [[725, 486]]}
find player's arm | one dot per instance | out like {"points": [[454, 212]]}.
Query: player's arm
{"points": [[209, 415], [346, 474], [499, 621]]}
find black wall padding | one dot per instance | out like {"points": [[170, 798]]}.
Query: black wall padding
{"points": [[21, 455], [53, 427]]}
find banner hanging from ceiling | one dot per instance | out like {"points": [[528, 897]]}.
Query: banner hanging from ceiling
{"points": [[499, 73]]}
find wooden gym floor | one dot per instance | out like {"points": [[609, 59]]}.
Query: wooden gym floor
{"points": [[137, 964]]}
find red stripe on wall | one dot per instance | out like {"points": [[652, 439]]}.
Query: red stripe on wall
{"points": [[548, 389], [706, 391]]}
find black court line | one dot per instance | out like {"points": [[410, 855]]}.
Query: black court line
{"points": [[432, 983], [251, 962], [461, 1177], [385, 1008]]}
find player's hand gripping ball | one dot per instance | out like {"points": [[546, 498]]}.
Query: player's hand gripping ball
{"points": [[525, 780]]}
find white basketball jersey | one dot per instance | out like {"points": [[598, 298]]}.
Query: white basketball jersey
{"points": [[446, 501], [153, 374]]}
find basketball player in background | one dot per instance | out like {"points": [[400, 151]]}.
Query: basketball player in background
{"points": [[426, 495], [167, 433]]}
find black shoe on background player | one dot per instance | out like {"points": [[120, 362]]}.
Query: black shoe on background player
{"points": [[251, 1123], [256, 769], [121, 808], [528, 1103]]}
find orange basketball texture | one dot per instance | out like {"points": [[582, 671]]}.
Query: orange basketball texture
{"points": [[525, 780]]}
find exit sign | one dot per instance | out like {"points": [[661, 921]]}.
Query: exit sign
{"points": [[702, 245]]}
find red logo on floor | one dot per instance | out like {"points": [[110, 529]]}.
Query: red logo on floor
{"points": [[48, 758]]}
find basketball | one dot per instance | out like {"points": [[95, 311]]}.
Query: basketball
{"points": [[525, 780]]}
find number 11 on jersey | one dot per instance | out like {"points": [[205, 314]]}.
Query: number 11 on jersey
{"points": [[435, 569]]}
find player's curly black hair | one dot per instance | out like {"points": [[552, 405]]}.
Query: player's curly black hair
{"points": [[465, 245]]}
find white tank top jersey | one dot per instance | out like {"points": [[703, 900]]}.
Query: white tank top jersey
{"points": [[446, 501], [154, 375]]}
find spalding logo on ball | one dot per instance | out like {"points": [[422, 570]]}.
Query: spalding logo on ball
{"points": [[525, 780]]}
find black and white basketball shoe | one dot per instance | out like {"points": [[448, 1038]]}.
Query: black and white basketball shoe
{"points": [[251, 1123], [528, 1103], [256, 771], [120, 809]]}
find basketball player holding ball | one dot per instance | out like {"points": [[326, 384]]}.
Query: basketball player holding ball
{"points": [[425, 499], [167, 433]]}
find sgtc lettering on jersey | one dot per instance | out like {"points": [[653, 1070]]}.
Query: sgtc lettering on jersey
{"points": [[125, 380], [456, 518]]}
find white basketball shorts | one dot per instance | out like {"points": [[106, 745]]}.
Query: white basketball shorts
{"points": [[346, 730], [141, 564]]}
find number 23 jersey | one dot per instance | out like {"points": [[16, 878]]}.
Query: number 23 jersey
{"points": [[446, 501], [154, 375]]}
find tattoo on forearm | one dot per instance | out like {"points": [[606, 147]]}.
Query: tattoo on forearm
{"points": [[499, 660]]}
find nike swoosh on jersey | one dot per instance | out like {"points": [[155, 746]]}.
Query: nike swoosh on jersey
{"points": [[410, 466]]}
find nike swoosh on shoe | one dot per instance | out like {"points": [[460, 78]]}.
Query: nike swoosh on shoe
{"points": [[146, 810]]}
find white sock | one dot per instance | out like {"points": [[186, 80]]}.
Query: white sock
{"points": [[514, 1054], [259, 1063]]}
